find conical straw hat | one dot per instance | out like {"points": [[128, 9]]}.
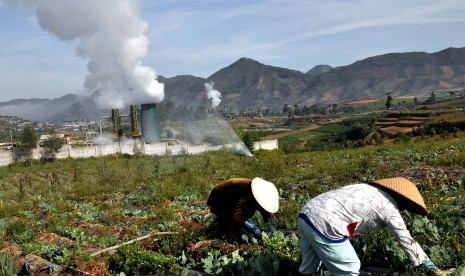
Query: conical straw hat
{"points": [[407, 190], [266, 194]]}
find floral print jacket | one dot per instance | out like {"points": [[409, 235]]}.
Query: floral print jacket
{"points": [[337, 215]]}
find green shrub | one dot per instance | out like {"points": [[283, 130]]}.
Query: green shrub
{"points": [[135, 260], [57, 254], [20, 231], [281, 246], [217, 264], [6, 266]]}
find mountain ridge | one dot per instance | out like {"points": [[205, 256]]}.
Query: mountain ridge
{"points": [[247, 83]]}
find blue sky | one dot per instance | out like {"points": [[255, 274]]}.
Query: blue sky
{"points": [[200, 37]]}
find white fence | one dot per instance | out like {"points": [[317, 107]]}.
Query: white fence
{"points": [[266, 145], [68, 151]]}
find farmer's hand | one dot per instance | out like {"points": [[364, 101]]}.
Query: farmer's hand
{"points": [[429, 265], [252, 228], [272, 227]]}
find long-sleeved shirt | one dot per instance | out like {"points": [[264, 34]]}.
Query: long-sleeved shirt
{"points": [[358, 208]]}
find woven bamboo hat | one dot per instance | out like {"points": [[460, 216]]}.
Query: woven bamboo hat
{"points": [[407, 190], [266, 194]]}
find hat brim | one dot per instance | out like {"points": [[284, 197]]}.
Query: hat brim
{"points": [[407, 190], [266, 194]]}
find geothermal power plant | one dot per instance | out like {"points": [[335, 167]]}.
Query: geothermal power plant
{"points": [[144, 124]]}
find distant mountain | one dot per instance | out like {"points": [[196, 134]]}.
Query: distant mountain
{"points": [[17, 102], [403, 74], [185, 90], [250, 84], [319, 69], [70, 107], [83, 108], [39, 109]]}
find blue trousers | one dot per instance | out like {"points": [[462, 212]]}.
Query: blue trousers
{"points": [[339, 258]]}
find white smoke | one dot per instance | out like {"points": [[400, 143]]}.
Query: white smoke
{"points": [[103, 140], [112, 38], [213, 94]]}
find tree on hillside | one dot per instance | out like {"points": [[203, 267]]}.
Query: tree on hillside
{"points": [[305, 110], [389, 101], [28, 138], [248, 141], [287, 109], [432, 98], [297, 110], [334, 108], [28, 141], [53, 144]]}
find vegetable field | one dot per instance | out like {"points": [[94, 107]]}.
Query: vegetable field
{"points": [[146, 215]]}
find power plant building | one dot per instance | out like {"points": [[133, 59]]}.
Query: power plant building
{"points": [[150, 123]]}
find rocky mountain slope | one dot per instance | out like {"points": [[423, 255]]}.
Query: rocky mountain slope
{"points": [[403, 74], [249, 84]]}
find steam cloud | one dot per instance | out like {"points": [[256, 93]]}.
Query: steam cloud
{"points": [[213, 94], [112, 38]]}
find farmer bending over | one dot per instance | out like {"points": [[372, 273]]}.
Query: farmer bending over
{"points": [[234, 201], [328, 220]]}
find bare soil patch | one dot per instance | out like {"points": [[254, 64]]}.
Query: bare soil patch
{"points": [[359, 102], [394, 130]]}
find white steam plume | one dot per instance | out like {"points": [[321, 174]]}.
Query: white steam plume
{"points": [[213, 94], [112, 38]]}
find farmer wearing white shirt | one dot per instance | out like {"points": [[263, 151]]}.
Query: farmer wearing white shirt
{"points": [[327, 222]]}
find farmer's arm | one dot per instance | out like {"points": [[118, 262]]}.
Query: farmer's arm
{"points": [[268, 218], [398, 229]]}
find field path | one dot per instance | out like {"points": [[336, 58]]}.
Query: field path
{"points": [[277, 136], [307, 128]]}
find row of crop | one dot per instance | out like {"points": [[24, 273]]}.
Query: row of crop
{"points": [[99, 202]]}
